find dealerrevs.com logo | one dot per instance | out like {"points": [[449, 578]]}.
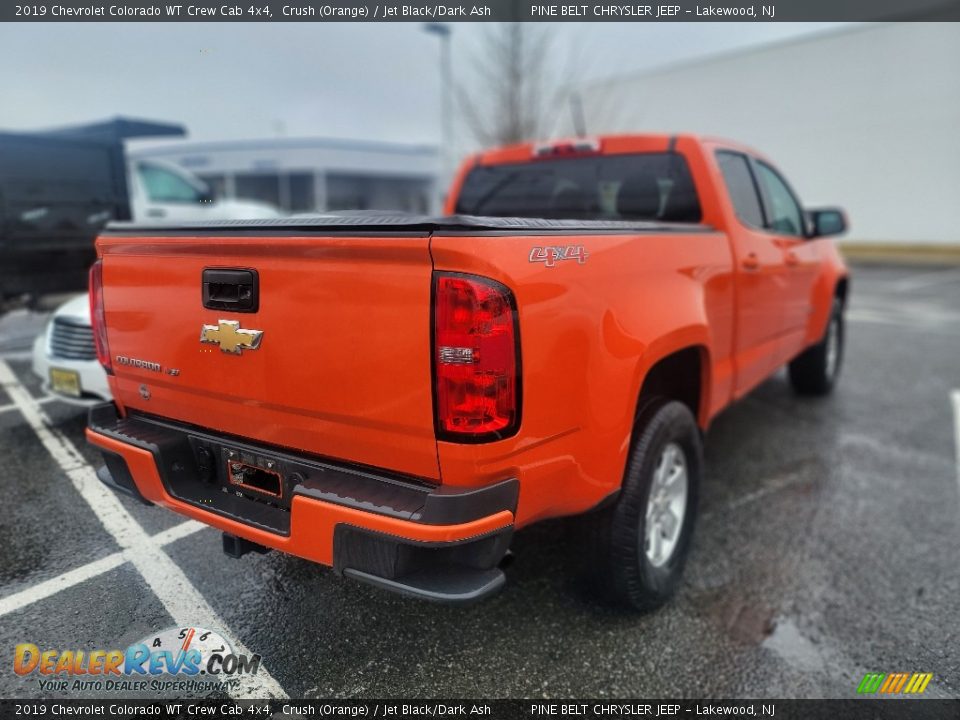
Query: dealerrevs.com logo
{"points": [[178, 659]]}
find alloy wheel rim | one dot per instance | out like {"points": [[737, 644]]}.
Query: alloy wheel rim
{"points": [[666, 505], [832, 348]]}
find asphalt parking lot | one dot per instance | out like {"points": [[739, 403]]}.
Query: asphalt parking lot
{"points": [[827, 547]]}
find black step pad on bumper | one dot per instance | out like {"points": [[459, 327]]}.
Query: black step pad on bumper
{"points": [[444, 586], [193, 465], [452, 572]]}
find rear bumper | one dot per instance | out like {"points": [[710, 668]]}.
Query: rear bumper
{"points": [[434, 542]]}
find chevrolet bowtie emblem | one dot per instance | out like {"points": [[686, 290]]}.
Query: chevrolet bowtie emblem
{"points": [[231, 337]]}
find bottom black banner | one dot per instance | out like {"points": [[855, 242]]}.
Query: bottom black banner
{"points": [[865, 709]]}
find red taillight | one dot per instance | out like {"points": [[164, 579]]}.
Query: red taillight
{"points": [[476, 355], [97, 316]]}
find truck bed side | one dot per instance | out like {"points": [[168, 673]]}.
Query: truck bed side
{"points": [[590, 331]]}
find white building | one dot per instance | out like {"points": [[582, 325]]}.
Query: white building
{"points": [[307, 175], [867, 118]]}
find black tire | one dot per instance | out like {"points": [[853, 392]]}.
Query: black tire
{"points": [[619, 564], [816, 369]]}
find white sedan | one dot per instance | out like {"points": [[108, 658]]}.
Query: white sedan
{"points": [[65, 358]]}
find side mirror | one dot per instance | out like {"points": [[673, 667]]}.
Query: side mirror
{"points": [[207, 197], [827, 221]]}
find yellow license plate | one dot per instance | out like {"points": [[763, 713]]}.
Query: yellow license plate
{"points": [[65, 381]]}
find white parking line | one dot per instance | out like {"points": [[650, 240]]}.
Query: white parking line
{"points": [[13, 406], [774, 485], [45, 589], [929, 322], [955, 397], [181, 599], [17, 355], [178, 532], [927, 279]]}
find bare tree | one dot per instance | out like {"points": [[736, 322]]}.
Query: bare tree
{"points": [[518, 93]]}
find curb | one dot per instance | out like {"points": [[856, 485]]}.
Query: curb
{"points": [[901, 253]]}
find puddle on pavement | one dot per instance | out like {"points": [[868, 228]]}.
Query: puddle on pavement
{"points": [[793, 648], [744, 621]]}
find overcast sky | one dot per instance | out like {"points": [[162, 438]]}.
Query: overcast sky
{"points": [[243, 80]]}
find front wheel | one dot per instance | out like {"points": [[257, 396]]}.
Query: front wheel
{"points": [[815, 370], [640, 544]]}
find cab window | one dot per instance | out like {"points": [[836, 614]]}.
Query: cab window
{"points": [[741, 188], [785, 215], [636, 186], [161, 185]]}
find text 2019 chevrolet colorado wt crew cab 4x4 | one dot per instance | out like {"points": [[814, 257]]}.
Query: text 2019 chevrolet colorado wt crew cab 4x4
{"points": [[394, 396]]}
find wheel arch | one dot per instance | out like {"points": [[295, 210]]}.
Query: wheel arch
{"points": [[682, 374], [832, 284], [842, 288]]}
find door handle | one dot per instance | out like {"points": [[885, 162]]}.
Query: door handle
{"points": [[751, 262], [791, 258], [157, 212], [233, 289]]}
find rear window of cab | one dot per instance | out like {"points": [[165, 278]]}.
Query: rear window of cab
{"points": [[639, 186]]}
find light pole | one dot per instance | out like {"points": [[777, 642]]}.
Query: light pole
{"points": [[443, 31]]}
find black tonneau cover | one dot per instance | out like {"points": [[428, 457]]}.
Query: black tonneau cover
{"points": [[380, 223]]}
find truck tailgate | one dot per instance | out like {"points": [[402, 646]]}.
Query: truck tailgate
{"points": [[342, 368]]}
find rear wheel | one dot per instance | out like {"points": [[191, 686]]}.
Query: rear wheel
{"points": [[815, 370], [640, 543]]}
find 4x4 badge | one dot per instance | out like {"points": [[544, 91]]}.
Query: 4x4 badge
{"points": [[231, 337], [553, 254]]}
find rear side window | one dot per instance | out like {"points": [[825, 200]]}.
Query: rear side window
{"points": [[642, 186], [741, 188]]}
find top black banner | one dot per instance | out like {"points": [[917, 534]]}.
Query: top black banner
{"points": [[481, 11]]}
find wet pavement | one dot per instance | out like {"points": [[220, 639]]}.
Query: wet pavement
{"points": [[827, 547]]}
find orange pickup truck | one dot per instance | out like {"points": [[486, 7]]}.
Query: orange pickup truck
{"points": [[394, 396]]}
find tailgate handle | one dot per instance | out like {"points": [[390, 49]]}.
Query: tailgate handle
{"points": [[231, 289]]}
